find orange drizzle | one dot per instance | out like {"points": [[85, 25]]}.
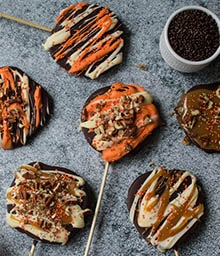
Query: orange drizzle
{"points": [[66, 10], [94, 49], [9, 84], [118, 150], [38, 104], [6, 136], [7, 78], [15, 107]]}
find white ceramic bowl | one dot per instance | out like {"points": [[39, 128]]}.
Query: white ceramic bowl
{"points": [[176, 61]]}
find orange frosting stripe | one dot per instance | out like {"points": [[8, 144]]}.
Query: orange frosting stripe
{"points": [[20, 107], [88, 55], [112, 97], [66, 10], [83, 63], [6, 137], [38, 104], [118, 150], [7, 78]]}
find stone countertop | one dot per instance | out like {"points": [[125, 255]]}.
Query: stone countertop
{"points": [[60, 143]]}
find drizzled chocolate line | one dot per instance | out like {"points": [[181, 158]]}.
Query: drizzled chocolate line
{"points": [[24, 107], [87, 40], [165, 206]]}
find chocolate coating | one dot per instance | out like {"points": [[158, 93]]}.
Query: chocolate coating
{"points": [[87, 40], [198, 114], [86, 202], [166, 181], [25, 107], [117, 119], [90, 135]]}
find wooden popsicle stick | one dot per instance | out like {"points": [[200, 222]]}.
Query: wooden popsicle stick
{"points": [[97, 209], [176, 252], [33, 248], [26, 22]]}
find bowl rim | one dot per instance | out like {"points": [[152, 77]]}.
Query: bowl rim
{"points": [[178, 57]]}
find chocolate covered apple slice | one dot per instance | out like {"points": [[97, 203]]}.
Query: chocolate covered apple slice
{"points": [[165, 206], [48, 203], [198, 114], [24, 107], [116, 119], [87, 40]]}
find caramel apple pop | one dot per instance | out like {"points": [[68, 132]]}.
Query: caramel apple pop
{"points": [[165, 206], [198, 114], [25, 107], [115, 120], [48, 203]]}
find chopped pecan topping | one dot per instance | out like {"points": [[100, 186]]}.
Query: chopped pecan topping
{"points": [[218, 92], [205, 140], [195, 112], [130, 132], [45, 196], [203, 99], [128, 147]]}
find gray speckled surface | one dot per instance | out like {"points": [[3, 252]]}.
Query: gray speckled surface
{"points": [[61, 144]]}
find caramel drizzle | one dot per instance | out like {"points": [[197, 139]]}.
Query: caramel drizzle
{"points": [[42, 204], [199, 114], [15, 110], [86, 35], [166, 219]]}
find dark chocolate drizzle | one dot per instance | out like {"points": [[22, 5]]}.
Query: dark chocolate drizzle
{"points": [[83, 26], [11, 96]]}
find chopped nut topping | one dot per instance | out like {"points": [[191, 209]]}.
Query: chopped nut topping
{"points": [[47, 199], [218, 92], [195, 112], [142, 66], [117, 122], [128, 148], [210, 104], [185, 141]]}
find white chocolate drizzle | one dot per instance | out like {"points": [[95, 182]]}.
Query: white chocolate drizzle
{"points": [[88, 40], [166, 219], [44, 202]]}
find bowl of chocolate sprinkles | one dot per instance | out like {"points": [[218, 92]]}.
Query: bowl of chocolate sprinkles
{"points": [[191, 39]]}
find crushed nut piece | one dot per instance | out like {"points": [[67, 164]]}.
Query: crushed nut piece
{"points": [[218, 92], [185, 141], [142, 67]]}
